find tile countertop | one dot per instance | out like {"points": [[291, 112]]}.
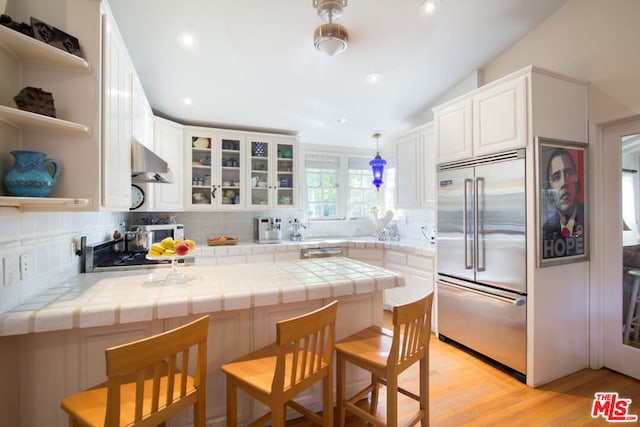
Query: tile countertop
{"points": [[418, 247], [110, 298]]}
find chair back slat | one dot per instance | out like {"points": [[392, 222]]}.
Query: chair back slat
{"points": [[305, 347], [154, 362], [171, 376], [412, 324]]}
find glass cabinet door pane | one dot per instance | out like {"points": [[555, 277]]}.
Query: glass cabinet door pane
{"points": [[201, 160], [231, 171], [285, 181], [259, 172]]}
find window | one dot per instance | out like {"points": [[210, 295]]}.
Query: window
{"points": [[363, 195], [327, 175], [322, 185]]}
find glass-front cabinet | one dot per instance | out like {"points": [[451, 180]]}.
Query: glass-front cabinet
{"points": [[272, 172], [230, 170], [216, 162]]}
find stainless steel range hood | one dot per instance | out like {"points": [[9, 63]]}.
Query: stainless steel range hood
{"points": [[147, 166]]}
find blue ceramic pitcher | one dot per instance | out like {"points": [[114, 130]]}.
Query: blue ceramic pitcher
{"points": [[29, 176]]}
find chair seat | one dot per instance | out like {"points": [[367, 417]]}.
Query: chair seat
{"points": [[257, 368], [369, 346], [89, 406]]}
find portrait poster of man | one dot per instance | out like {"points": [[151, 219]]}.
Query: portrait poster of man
{"points": [[562, 184]]}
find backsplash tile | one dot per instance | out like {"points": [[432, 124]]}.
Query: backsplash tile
{"points": [[48, 237]]}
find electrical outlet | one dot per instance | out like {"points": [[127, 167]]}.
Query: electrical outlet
{"points": [[26, 266], [11, 265]]}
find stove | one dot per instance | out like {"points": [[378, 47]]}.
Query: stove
{"points": [[111, 256]]}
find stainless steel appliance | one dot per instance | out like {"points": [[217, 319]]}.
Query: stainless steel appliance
{"points": [[157, 232], [147, 166], [309, 253], [481, 263], [267, 229], [112, 255]]}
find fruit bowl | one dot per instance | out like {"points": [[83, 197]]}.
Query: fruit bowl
{"points": [[171, 250]]}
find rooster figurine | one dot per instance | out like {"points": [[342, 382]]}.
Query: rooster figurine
{"points": [[381, 223]]}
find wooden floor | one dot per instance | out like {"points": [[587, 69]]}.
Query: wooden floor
{"points": [[466, 391]]}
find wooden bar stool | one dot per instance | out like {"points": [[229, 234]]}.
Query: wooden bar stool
{"points": [[386, 354], [301, 356], [147, 382]]}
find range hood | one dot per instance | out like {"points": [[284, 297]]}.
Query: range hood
{"points": [[147, 166]]}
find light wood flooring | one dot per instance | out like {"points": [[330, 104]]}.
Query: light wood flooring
{"points": [[466, 391]]}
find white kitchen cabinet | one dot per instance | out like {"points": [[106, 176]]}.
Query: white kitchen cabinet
{"points": [[428, 166], [370, 255], [418, 275], [231, 170], [216, 162], [168, 144], [272, 171], [499, 120], [418, 272], [489, 120], [143, 121], [507, 114], [453, 129], [407, 171], [117, 119], [415, 171]]}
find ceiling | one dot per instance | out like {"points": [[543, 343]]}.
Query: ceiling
{"points": [[253, 65]]}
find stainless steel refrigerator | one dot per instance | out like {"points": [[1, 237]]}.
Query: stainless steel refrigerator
{"points": [[481, 262]]}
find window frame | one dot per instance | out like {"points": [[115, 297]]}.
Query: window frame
{"points": [[343, 187]]}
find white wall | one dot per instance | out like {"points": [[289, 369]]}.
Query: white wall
{"points": [[591, 40]]}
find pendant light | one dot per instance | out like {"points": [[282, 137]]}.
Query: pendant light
{"points": [[377, 164]]}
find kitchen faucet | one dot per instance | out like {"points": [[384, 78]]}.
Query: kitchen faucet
{"points": [[295, 230]]}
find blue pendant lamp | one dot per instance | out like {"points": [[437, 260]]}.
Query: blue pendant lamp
{"points": [[377, 164]]}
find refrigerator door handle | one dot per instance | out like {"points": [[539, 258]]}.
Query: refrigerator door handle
{"points": [[514, 301], [465, 237], [476, 222]]}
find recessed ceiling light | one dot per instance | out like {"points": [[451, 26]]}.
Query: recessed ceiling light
{"points": [[187, 39], [430, 6], [186, 101], [341, 120], [374, 78]]}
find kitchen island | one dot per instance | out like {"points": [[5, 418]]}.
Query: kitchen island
{"points": [[54, 345]]}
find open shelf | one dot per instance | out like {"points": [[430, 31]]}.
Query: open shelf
{"points": [[44, 203], [26, 119], [28, 49]]}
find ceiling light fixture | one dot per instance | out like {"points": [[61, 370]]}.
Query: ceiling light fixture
{"points": [[330, 38], [377, 163], [430, 6], [374, 78]]}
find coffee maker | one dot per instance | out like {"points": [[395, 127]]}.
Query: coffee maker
{"points": [[267, 229]]}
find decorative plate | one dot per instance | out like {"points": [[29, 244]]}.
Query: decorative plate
{"points": [[137, 197]]}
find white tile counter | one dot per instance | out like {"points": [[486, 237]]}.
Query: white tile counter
{"points": [[112, 298]]}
